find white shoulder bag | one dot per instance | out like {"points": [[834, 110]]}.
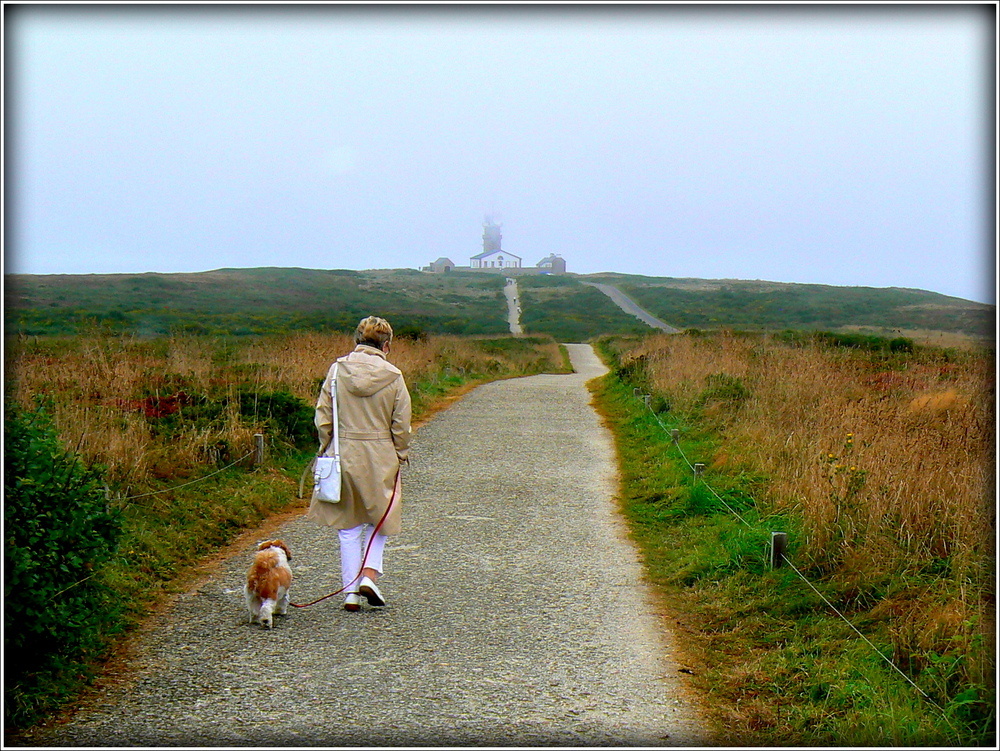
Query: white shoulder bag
{"points": [[326, 472]]}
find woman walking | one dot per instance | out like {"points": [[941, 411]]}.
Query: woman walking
{"points": [[373, 407]]}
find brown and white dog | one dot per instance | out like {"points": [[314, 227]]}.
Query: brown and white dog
{"points": [[268, 581]]}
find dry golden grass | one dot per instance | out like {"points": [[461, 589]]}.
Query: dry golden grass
{"points": [[866, 451], [98, 385], [886, 460]]}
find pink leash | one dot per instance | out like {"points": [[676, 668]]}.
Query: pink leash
{"points": [[364, 560]]}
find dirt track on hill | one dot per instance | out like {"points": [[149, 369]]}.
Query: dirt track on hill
{"points": [[627, 304], [516, 611]]}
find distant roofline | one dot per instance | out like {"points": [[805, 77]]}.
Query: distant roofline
{"points": [[493, 253]]}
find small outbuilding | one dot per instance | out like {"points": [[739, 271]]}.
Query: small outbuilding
{"points": [[553, 264], [441, 265]]}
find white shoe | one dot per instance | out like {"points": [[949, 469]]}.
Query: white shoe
{"points": [[353, 602], [370, 592]]}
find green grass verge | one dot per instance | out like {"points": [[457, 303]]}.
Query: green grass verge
{"points": [[567, 366], [777, 666]]}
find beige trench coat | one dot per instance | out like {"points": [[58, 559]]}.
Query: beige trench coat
{"points": [[373, 407]]}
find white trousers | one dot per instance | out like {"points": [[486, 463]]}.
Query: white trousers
{"points": [[352, 550]]}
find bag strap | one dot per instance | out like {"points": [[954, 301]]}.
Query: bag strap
{"points": [[335, 435], [336, 420]]}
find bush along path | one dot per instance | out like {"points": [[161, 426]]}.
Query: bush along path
{"points": [[516, 615]]}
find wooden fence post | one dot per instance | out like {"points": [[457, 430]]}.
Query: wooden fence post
{"points": [[258, 453], [779, 541], [675, 434], [699, 470]]}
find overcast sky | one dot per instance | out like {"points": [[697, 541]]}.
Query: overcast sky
{"points": [[846, 145]]}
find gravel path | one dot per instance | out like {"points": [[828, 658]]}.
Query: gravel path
{"points": [[513, 306], [516, 611], [627, 304]]}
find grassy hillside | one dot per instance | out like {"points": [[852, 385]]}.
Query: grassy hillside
{"points": [[562, 307], [720, 303], [256, 301], [283, 300]]}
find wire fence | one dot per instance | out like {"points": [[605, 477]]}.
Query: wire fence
{"points": [[698, 470], [257, 452]]}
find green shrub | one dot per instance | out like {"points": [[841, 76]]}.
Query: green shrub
{"points": [[59, 534], [901, 344], [866, 342], [286, 414], [412, 332], [633, 372]]}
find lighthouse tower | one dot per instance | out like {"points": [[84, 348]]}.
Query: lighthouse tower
{"points": [[491, 236], [493, 257]]}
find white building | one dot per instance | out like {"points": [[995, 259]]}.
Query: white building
{"points": [[495, 259]]}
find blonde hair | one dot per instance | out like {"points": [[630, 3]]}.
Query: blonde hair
{"points": [[373, 331]]}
